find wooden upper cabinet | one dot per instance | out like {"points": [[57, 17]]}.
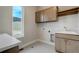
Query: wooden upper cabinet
{"points": [[46, 15], [50, 14], [65, 8]]}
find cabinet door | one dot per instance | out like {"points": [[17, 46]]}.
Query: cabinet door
{"points": [[39, 17], [50, 14], [47, 15], [60, 44], [72, 46]]}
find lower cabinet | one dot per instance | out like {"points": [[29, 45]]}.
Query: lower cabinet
{"points": [[67, 45], [59, 45], [72, 46]]}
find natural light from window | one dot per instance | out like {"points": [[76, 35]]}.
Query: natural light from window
{"points": [[18, 22]]}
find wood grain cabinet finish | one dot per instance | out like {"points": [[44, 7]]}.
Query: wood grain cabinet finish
{"points": [[67, 43], [59, 45], [46, 15], [65, 8], [39, 17]]}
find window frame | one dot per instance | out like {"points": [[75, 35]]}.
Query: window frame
{"points": [[22, 22]]}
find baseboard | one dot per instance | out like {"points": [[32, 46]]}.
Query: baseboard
{"points": [[38, 40], [46, 42], [29, 43]]}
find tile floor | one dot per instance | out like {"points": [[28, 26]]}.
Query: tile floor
{"points": [[39, 47]]}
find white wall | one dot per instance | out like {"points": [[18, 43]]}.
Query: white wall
{"points": [[5, 19], [77, 23], [69, 21], [30, 30]]}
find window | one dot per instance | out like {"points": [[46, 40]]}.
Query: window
{"points": [[17, 22]]}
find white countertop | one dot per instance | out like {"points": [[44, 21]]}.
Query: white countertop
{"points": [[68, 32], [7, 42]]}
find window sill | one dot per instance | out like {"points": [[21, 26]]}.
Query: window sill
{"points": [[18, 35]]}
